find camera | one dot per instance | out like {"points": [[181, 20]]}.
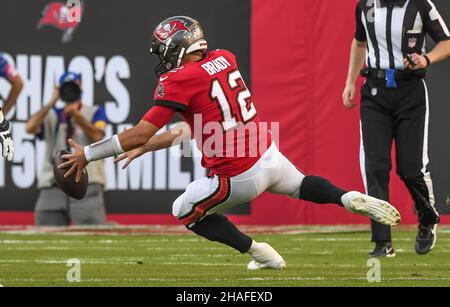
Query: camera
{"points": [[70, 92]]}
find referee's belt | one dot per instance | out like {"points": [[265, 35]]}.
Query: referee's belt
{"points": [[400, 75]]}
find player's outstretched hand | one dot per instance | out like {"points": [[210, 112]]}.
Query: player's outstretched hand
{"points": [[348, 96], [130, 155], [6, 142], [75, 162]]}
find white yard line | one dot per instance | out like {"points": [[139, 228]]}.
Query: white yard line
{"points": [[208, 280], [117, 230]]}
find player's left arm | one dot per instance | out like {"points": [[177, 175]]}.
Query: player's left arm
{"points": [[169, 96], [110, 147], [174, 136], [16, 88], [128, 140], [6, 143]]}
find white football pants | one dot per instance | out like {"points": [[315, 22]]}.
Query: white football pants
{"points": [[273, 173]]}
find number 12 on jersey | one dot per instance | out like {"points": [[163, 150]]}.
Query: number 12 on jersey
{"points": [[230, 107]]}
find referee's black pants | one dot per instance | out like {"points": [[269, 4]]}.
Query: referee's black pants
{"points": [[399, 114]]}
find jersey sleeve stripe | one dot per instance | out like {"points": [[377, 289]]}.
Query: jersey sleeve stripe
{"points": [[171, 104]]}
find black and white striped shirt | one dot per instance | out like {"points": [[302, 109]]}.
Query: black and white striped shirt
{"points": [[394, 28]]}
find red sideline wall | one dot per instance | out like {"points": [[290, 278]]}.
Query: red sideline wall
{"points": [[299, 66], [300, 52]]}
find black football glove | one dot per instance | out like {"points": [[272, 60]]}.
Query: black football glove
{"points": [[6, 142]]}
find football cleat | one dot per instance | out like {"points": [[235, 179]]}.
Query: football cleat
{"points": [[383, 250], [265, 257], [378, 210], [426, 239]]}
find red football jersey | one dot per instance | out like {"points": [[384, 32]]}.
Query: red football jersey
{"points": [[213, 99]]}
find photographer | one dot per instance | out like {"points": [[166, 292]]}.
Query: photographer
{"points": [[55, 126]]}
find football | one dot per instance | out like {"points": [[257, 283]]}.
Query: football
{"points": [[68, 185]]}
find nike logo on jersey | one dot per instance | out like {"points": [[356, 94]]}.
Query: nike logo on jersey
{"points": [[215, 66], [162, 79]]}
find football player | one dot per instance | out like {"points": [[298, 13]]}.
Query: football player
{"points": [[207, 89], [8, 72]]}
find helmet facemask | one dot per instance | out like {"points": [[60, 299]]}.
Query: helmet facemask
{"points": [[163, 66]]}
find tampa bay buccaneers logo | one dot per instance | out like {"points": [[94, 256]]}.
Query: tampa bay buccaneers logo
{"points": [[169, 29], [62, 16]]}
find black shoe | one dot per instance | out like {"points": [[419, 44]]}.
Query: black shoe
{"points": [[427, 214], [383, 250], [426, 239]]}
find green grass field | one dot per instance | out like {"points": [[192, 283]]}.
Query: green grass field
{"points": [[314, 259]]}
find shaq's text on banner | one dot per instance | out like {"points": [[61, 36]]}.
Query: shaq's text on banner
{"points": [[103, 82]]}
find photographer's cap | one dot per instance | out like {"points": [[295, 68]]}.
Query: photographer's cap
{"points": [[69, 76]]}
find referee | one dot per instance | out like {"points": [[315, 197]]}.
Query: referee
{"points": [[390, 40]]}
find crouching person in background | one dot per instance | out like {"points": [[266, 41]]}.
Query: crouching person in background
{"points": [[55, 126]]}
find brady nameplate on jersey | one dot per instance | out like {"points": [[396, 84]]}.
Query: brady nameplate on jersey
{"points": [[217, 65]]}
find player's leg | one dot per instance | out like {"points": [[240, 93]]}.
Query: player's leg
{"points": [[91, 209], [217, 228], [375, 155], [192, 207], [412, 163], [288, 180], [199, 209], [51, 208]]}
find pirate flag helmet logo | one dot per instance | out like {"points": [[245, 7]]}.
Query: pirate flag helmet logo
{"points": [[63, 16]]}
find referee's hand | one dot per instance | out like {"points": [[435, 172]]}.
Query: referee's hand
{"points": [[419, 61], [348, 96]]}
